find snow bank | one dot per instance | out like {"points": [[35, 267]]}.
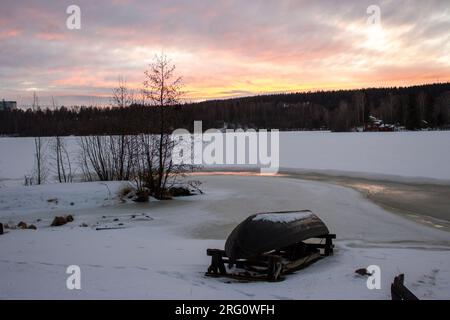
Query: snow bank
{"points": [[56, 197]]}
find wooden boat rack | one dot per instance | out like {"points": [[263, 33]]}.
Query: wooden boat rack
{"points": [[273, 265]]}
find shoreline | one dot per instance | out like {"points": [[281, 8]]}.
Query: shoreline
{"points": [[424, 203]]}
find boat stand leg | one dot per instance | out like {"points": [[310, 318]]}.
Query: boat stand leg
{"points": [[217, 266], [328, 246]]}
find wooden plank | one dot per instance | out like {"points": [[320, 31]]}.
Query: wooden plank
{"points": [[325, 236], [109, 228], [399, 291], [211, 252], [251, 263], [245, 277], [297, 264]]}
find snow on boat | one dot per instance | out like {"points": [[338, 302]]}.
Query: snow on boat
{"points": [[264, 232], [265, 246]]}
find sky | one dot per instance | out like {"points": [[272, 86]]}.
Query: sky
{"points": [[221, 48]]}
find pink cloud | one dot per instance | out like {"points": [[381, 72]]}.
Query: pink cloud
{"points": [[51, 36], [6, 34]]}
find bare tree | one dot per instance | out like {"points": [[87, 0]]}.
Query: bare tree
{"points": [[163, 89], [40, 169], [143, 96], [62, 160], [107, 157], [96, 157], [35, 105], [84, 161], [61, 156], [119, 145], [122, 96], [145, 159]]}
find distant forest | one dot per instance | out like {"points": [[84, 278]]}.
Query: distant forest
{"points": [[415, 108]]}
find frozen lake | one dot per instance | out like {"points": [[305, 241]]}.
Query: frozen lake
{"points": [[406, 156]]}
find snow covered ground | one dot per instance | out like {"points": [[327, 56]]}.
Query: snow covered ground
{"points": [[159, 248], [161, 252]]}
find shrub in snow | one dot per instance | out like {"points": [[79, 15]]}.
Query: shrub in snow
{"points": [[141, 196], [126, 192], [179, 192]]}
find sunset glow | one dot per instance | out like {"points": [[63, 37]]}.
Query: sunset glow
{"points": [[222, 48]]}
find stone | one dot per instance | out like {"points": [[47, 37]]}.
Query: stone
{"points": [[22, 225], [58, 221], [362, 272]]}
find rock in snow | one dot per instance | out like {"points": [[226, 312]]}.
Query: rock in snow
{"points": [[60, 221], [22, 225]]}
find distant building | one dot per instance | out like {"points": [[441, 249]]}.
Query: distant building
{"points": [[375, 124], [8, 105]]}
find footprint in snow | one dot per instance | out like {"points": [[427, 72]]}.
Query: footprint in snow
{"points": [[245, 293]]}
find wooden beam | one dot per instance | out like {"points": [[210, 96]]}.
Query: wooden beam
{"points": [[399, 291]]}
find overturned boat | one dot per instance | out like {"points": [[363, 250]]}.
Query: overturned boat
{"points": [[267, 245], [264, 232]]}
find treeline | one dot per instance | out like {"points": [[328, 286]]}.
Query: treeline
{"points": [[417, 107]]}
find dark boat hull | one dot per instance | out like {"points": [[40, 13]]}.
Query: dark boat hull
{"points": [[265, 232]]}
